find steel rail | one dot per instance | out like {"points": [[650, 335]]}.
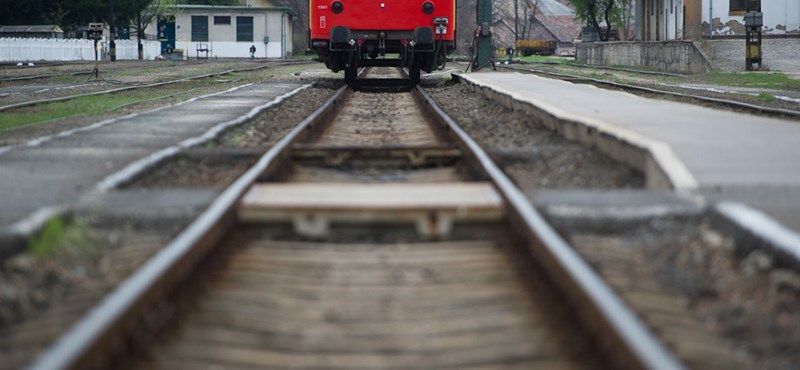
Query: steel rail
{"points": [[91, 339], [39, 77], [127, 88], [571, 272], [631, 70], [724, 102]]}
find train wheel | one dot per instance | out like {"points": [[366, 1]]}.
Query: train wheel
{"points": [[414, 74], [350, 75]]}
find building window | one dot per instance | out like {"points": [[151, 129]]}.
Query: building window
{"points": [[222, 19], [244, 28], [199, 28], [741, 5]]}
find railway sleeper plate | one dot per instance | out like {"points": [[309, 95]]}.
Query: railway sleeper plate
{"points": [[313, 207]]}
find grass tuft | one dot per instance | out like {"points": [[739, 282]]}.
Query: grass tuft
{"points": [[766, 97], [57, 235]]}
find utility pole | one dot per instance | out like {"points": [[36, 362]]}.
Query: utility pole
{"points": [[753, 21], [516, 22], [139, 35], [112, 46], [483, 35]]}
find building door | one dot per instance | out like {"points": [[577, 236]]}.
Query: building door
{"points": [[166, 34]]}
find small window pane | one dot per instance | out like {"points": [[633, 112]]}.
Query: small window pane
{"points": [[199, 28], [741, 5], [244, 28], [220, 19]]}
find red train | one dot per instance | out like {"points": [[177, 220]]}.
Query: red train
{"points": [[415, 34]]}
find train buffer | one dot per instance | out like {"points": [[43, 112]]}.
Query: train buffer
{"points": [[312, 208]]}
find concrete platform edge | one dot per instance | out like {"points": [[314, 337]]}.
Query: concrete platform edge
{"points": [[655, 159], [663, 170]]}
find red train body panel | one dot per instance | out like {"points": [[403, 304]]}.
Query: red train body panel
{"points": [[416, 34]]}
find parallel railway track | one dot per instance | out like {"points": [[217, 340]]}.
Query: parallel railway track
{"points": [[29, 103], [292, 267], [725, 103]]}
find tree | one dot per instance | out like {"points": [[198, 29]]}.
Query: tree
{"points": [[529, 15], [611, 12], [151, 11], [211, 2]]}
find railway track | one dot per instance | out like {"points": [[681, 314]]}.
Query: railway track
{"points": [[375, 234], [30, 103], [724, 103], [50, 70]]}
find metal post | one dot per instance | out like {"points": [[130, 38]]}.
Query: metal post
{"points": [[112, 45], [139, 35], [710, 19], [753, 20], [483, 35]]}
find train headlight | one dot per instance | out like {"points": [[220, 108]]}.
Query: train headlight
{"points": [[427, 7], [337, 7]]}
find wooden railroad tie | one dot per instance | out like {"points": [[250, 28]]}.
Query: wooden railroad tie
{"points": [[313, 207]]}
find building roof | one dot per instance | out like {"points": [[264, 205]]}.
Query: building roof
{"points": [[553, 7], [564, 27]]}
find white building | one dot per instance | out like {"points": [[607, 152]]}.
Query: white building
{"points": [[688, 19], [230, 31], [727, 17]]}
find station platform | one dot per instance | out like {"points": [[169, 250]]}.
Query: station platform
{"points": [[75, 168], [715, 155]]}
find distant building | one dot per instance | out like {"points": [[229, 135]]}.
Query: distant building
{"points": [[689, 19], [229, 31], [38, 31], [550, 20]]}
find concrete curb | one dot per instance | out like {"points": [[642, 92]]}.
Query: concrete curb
{"points": [[655, 159]]}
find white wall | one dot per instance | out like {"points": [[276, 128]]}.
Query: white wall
{"points": [[18, 50], [231, 49], [673, 14], [783, 13], [222, 38]]}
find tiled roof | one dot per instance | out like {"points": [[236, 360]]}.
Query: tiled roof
{"points": [[565, 27], [553, 7]]}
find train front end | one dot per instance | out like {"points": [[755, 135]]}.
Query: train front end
{"points": [[415, 34]]}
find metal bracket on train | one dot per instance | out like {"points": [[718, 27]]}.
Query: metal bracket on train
{"points": [[341, 39], [423, 41], [423, 38], [382, 43]]}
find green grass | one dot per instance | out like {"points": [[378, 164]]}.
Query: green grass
{"points": [[59, 235], [539, 58], [85, 106], [101, 104], [766, 97], [763, 80], [95, 105]]}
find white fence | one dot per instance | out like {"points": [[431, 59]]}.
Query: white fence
{"points": [[23, 50]]}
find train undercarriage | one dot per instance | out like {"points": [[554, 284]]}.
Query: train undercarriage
{"points": [[419, 50]]}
